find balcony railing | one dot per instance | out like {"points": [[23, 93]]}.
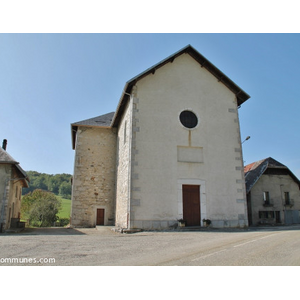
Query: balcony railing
{"points": [[268, 203], [289, 203]]}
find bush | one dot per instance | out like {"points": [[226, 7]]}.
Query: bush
{"points": [[63, 222], [40, 207]]}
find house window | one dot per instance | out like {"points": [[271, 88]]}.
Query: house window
{"points": [[277, 214], [266, 198], [266, 214], [287, 198], [188, 119]]}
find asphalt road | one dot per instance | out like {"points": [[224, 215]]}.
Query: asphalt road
{"points": [[92, 247]]}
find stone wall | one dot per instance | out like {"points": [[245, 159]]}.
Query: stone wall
{"points": [[276, 185], [94, 176], [15, 196], [10, 194], [123, 189], [5, 175]]}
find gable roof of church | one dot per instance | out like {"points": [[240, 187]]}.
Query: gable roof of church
{"points": [[255, 170], [113, 119], [205, 63]]}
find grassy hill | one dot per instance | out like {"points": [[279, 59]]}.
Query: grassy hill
{"points": [[65, 208]]}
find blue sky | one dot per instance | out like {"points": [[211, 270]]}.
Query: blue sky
{"points": [[49, 81]]}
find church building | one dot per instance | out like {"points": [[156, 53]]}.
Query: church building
{"points": [[171, 150]]}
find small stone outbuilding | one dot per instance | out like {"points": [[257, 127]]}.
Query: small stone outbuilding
{"points": [[171, 150], [273, 193], [12, 179]]}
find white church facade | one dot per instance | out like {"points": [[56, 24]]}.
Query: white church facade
{"points": [[171, 150]]}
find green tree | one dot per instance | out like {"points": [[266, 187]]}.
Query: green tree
{"points": [[40, 207], [47, 182], [41, 182], [53, 185], [65, 190]]}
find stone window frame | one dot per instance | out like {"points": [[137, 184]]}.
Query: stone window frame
{"points": [[191, 110]]}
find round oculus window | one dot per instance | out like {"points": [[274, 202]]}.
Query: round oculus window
{"points": [[188, 119]]}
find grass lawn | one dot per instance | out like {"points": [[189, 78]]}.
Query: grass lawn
{"points": [[65, 207]]}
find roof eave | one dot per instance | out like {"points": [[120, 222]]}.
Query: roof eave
{"points": [[240, 94], [74, 128], [265, 165], [73, 135], [121, 105], [249, 187], [25, 178]]}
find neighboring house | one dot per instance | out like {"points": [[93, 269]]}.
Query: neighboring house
{"points": [[273, 193], [172, 150], [12, 179]]}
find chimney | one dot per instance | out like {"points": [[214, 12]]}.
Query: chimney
{"points": [[4, 144]]}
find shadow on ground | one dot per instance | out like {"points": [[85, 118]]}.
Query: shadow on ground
{"points": [[46, 231], [107, 230], [251, 228]]}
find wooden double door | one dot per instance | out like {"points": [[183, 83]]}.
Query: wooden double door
{"points": [[191, 205]]}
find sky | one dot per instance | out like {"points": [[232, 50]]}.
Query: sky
{"points": [[49, 81]]}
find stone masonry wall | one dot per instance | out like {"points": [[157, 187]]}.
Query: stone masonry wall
{"points": [[123, 190], [276, 185], [94, 176], [5, 175], [14, 199]]}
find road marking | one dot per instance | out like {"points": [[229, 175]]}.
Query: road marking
{"points": [[264, 237], [239, 245], [207, 255]]}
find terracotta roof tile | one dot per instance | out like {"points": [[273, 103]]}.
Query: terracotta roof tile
{"points": [[255, 170]]}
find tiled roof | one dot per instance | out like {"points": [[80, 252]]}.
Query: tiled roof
{"points": [[248, 167], [255, 170], [103, 120], [100, 121], [5, 158]]}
